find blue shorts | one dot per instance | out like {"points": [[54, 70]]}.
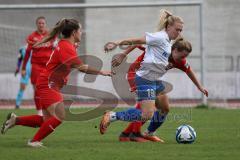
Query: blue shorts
{"points": [[25, 79], [148, 90]]}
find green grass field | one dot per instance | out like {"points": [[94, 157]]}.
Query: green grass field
{"points": [[218, 137]]}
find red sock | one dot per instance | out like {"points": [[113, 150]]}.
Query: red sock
{"points": [[137, 127], [47, 128], [138, 106], [30, 121], [129, 128]]}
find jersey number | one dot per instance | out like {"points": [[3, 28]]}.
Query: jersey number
{"points": [[151, 92]]}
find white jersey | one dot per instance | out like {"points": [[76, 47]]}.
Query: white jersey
{"points": [[158, 50]]}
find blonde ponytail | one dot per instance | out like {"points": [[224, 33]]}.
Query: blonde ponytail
{"points": [[164, 14], [167, 18]]}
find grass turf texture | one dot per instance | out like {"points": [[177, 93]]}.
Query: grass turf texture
{"points": [[218, 137]]}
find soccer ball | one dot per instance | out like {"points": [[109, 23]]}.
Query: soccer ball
{"points": [[185, 134]]}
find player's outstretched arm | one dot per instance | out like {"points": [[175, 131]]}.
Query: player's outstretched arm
{"points": [[19, 62], [192, 76], [118, 59], [124, 43], [89, 70]]}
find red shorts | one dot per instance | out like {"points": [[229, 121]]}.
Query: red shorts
{"points": [[36, 70], [48, 96]]}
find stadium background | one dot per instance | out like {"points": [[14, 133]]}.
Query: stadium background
{"points": [[220, 30]]}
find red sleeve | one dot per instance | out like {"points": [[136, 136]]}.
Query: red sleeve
{"points": [[30, 39], [30, 43], [70, 58], [27, 55], [141, 48], [132, 72], [183, 65]]}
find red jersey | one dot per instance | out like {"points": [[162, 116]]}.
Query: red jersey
{"points": [[182, 65], [40, 54], [133, 68], [132, 72], [62, 60]]}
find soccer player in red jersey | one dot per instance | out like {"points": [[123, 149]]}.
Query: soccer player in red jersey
{"points": [[40, 55], [52, 79], [133, 131]]}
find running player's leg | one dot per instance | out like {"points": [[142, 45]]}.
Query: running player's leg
{"points": [[36, 70], [57, 115], [146, 100], [136, 134], [53, 111], [137, 125], [128, 115], [32, 120], [133, 131], [29, 121], [129, 128], [162, 105]]}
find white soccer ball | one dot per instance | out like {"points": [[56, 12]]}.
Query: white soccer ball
{"points": [[185, 134]]}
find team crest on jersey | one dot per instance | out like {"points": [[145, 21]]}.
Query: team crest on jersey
{"points": [[35, 39], [165, 54]]}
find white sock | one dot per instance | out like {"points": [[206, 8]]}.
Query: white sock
{"points": [[113, 116]]}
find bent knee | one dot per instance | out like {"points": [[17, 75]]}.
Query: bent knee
{"points": [[147, 114]]}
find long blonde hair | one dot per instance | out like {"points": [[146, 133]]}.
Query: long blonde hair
{"points": [[167, 18]]}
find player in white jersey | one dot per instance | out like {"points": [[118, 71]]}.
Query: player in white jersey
{"points": [[156, 58], [148, 77]]}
